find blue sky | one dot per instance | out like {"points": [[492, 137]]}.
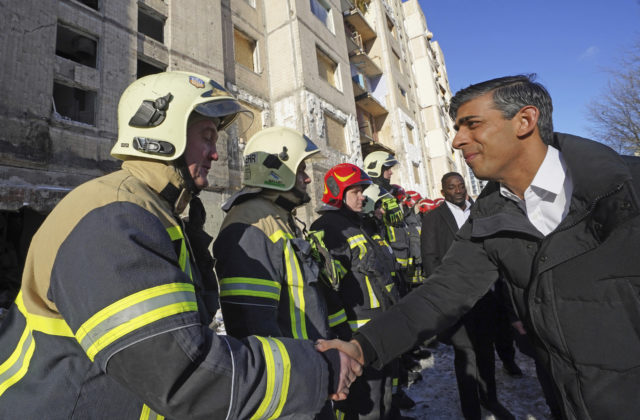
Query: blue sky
{"points": [[569, 44]]}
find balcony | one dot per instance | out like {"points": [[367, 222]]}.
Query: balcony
{"points": [[367, 102], [364, 64], [356, 21]]}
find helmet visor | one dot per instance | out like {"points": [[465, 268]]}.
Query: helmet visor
{"points": [[229, 113]]}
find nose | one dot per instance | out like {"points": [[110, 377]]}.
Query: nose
{"points": [[459, 140], [306, 178], [213, 153]]}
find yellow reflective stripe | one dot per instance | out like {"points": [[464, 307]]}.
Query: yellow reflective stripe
{"points": [[148, 414], [337, 318], [339, 269], [278, 373], [284, 391], [356, 324], [358, 241], [340, 415], [175, 233], [15, 367], [280, 234], [389, 286], [391, 233], [403, 262], [133, 312], [44, 324], [295, 284], [246, 286], [372, 296]]}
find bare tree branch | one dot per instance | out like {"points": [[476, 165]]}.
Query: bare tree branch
{"points": [[616, 114]]}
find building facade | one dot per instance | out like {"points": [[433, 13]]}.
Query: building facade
{"points": [[354, 75]]}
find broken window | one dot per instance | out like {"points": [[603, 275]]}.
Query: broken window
{"points": [[145, 69], [72, 45], [327, 68], [245, 50], [91, 3], [334, 131], [150, 24], [411, 134], [74, 104]]}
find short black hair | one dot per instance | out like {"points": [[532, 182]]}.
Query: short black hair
{"points": [[447, 176]]}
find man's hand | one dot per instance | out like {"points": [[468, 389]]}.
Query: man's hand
{"points": [[350, 367]]}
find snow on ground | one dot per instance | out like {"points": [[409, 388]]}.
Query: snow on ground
{"points": [[436, 395]]}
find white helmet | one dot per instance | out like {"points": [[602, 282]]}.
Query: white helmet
{"points": [[374, 162], [153, 113], [373, 193], [272, 157]]}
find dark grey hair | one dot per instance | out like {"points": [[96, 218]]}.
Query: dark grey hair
{"points": [[510, 95]]}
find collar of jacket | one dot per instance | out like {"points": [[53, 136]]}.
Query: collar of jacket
{"points": [[163, 178], [285, 200], [596, 170]]}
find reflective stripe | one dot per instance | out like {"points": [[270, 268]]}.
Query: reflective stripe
{"points": [[391, 234], [149, 414], [175, 233], [403, 262], [295, 284], [394, 385], [372, 296], [358, 241], [339, 269], [133, 312], [15, 367], [45, 324], [280, 234], [340, 415], [278, 374], [337, 318], [357, 323], [246, 286]]}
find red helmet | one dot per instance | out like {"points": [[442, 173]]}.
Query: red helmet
{"points": [[426, 205], [438, 201], [412, 198], [398, 192], [339, 178]]}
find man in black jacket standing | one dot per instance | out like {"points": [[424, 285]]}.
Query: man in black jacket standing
{"points": [[473, 335], [561, 220]]}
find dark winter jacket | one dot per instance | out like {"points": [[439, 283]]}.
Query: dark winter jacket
{"points": [[577, 289]]}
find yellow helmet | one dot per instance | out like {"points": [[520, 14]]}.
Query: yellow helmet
{"points": [[374, 162], [154, 110], [272, 157]]}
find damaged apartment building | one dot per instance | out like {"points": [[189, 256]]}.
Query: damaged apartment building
{"points": [[353, 75]]}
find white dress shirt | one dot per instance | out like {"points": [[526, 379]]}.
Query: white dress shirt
{"points": [[460, 215], [546, 201]]}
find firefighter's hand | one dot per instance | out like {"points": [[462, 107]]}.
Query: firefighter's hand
{"points": [[350, 367], [519, 327], [392, 211]]}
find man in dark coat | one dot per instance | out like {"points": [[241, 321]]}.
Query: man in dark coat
{"points": [[561, 220], [472, 337]]}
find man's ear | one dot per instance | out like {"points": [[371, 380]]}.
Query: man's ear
{"points": [[442, 192], [527, 121]]}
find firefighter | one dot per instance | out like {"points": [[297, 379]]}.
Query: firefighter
{"points": [[110, 322], [378, 166], [268, 277], [366, 287], [414, 225]]}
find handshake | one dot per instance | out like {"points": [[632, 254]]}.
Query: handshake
{"points": [[351, 361]]}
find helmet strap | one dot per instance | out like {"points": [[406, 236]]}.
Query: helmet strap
{"points": [[182, 168]]}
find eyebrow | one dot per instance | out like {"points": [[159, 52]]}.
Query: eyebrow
{"points": [[463, 120]]}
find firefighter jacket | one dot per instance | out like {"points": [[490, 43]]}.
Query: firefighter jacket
{"points": [[109, 322], [268, 279], [366, 270], [414, 225]]}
